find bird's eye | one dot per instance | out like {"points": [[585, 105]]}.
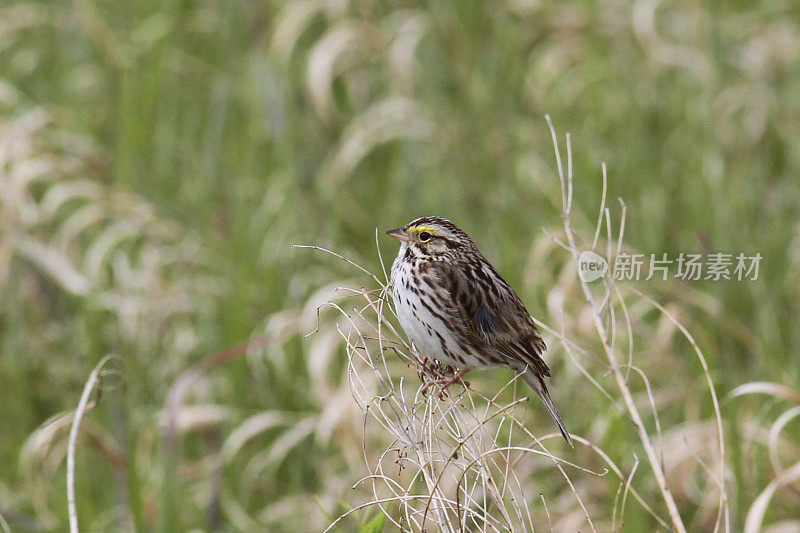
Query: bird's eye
{"points": [[424, 236]]}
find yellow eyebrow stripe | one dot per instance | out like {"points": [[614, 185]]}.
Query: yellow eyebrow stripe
{"points": [[420, 229]]}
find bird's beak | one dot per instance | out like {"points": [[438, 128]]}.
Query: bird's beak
{"points": [[399, 233]]}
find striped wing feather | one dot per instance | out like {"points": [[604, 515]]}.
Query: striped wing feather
{"points": [[493, 313]]}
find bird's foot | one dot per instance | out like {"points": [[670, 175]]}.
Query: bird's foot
{"points": [[434, 369], [445, 381]]}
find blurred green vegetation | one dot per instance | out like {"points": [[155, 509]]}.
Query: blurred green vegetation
{"points": [[172, 151]]}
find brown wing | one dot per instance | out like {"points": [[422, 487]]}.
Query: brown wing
{"points": [[493, 313]]}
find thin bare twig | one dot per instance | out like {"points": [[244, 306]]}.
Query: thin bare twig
{"points": [[723, 497], [633, 411], [83, 407]]}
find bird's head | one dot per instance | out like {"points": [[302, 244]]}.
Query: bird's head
{"points": [[432, 236]]}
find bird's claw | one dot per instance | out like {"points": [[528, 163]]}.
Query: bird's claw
{"points": [[445, 381]]}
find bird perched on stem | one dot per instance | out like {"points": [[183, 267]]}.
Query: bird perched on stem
{"points": [[457, 309]]}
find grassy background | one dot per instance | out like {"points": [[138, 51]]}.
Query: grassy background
{"points": [[159, 158]]}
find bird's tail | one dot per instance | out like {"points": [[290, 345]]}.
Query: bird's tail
{"points": [[537, 383]]}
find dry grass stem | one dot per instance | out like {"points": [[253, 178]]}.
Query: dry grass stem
{"points": [[83, 406]]}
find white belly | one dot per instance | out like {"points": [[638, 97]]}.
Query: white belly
{"points": [[432, 337]]}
